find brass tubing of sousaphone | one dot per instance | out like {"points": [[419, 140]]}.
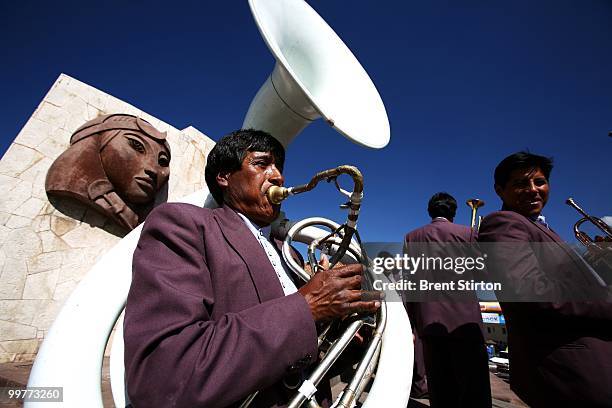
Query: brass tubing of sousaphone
{"points": [[277, 194], [344, 234]]}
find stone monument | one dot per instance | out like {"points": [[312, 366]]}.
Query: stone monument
{"points": [[45, 250]]}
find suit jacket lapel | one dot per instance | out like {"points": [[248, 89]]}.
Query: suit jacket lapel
{"points": [[241, 239], [550, 233]]}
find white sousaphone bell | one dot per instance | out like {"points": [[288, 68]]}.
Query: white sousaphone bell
{"points": [[315, 75]]}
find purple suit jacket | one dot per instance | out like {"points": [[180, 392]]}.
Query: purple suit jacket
{"points": [[206, 321], [458, 318], [560, 353]]}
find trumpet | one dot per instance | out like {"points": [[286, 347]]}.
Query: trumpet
{"points": [[475, 204], [599, 252], [582, 236], [343, 241]]}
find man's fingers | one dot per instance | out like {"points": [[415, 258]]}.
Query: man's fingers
{"points": [[363, 295], [348, 270], [353, 282], [368, 295], [324, 262], [361, 306]]}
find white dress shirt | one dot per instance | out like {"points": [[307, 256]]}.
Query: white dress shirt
{"points": [[263, 237]]}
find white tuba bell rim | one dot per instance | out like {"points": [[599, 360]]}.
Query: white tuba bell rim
{"points": [[326, 74]]}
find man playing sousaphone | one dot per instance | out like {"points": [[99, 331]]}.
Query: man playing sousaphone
{"points": [[213, 314]]}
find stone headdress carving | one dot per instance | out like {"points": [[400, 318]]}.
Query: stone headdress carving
{"points": [[115, 164]]}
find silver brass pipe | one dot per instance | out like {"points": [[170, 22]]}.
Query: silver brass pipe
{"points": [[364, 369], [330, 358], [277, 194]]}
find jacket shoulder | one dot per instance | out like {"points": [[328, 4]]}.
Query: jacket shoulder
{"points": [[178, 214], [506, 225]]}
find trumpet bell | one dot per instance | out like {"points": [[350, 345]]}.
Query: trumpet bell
{"points": [[316, 75]]}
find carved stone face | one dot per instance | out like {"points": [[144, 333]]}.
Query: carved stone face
{"points": [[116, 164], [136, 166]]}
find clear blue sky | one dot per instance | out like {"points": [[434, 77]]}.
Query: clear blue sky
{"points": [[465, 83]]}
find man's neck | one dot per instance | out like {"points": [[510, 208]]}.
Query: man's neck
{"points": [[532, 217], [257, 224]]}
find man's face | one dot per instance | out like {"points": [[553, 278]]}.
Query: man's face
{"points": [[245, 189], [526, 191], [136, 166]]}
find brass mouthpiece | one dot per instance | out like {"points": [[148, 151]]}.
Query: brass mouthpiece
{"points": [[277, 194]]}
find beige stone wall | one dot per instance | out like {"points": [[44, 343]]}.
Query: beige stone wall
{"points": [[44, 253]]}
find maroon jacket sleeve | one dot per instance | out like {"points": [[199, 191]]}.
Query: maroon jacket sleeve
{"points": [[176, 355]]}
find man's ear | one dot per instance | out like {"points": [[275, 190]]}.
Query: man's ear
{"points": [[498, 190], [223, 179]]}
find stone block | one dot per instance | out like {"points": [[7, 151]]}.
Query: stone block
{"points": [[44, 262], [74, 271], [12, 279], [64, 289], [16, 331], [7, 357], [20, 311], [60, 225], [74, 86], [44, 319], [16, 221], [93, 112], [41, 285], [48, 209], [34, 132], [60, 95], [14, 198], [18, 159], [7, 183], [42, 223], [51, 114], [30, 208], [51, 243], [55, 143], [24, 243], [37, 172], [96, 98], [24, 358], [76, 119], [20, 346], [85, 236]]}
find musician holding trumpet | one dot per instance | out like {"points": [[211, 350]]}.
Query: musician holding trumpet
{"points": [[213, 313], [557, 312]]}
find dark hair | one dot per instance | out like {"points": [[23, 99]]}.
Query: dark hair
{"points": [[521, 160], [442, 205], [230, 151]]}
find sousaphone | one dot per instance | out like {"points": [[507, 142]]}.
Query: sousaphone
{"points": [[315, 76]]}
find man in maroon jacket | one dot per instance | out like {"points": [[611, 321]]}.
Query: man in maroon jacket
{"points": [[559, 335], [213, 314], [451, 326]]}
